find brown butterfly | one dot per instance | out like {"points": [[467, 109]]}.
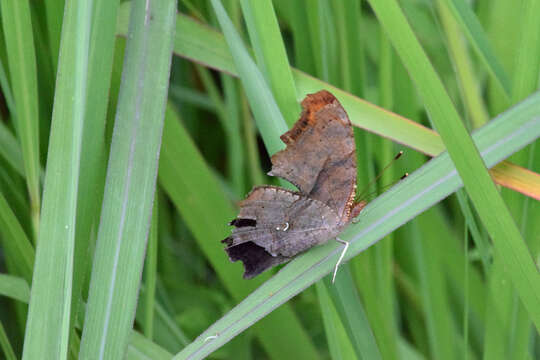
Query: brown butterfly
{"points": [[276, 224]]}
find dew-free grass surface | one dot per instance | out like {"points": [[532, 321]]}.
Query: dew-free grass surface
{"points": [[114, 196]]}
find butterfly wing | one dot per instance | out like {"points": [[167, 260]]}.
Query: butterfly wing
{"points": [[275, 224], [320, 154]]}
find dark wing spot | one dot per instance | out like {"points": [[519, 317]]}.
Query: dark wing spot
{"points": [[243, 222]]}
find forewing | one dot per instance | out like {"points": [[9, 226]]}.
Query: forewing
{"points": [[320, 154]]}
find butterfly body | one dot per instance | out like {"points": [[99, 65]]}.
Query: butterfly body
{"points": [[275, 224]]}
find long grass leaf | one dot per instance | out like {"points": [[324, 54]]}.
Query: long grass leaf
{"points": [[479, 40], [6, 345], [470, 88], [93, 155], [130, 184], [271, 56], [23, 73], [50, 301], [16, 245], [347, 303], [269, 119], [14, 287]]}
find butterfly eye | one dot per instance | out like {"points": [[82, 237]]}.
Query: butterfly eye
{"points": [[283, 227]]}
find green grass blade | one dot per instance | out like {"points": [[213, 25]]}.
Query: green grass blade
{"points": [[469, 84], [347, 302], [339, 344], [193, 97], [481, 243], [352, 60], [479, 40], [6, 90], [271, 56], [205, 208], [269, 119], [303, 48], [130, 185], [16, 245], [6, 345], [10, 150], [432, 182], [23, 73], [454, 261], [93, 156], [53, 11], [140, 348], [204, 45], [527, 65], [441, 335], [478, 183], [50, 301], [14, 287], [150, 275]]}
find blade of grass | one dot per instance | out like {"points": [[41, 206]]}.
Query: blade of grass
{"points": [[6, 90], [16, 245], [454, 261], [339, 344], [206, 210], [442, 339], [17, 26], [53, 11], [6, 345], [479, 40], [478, 184], [14, 287], [426, 186], [50, 301], [10, 150], [469, 84], [130, 184], [352, 62], [194, 97], [150, 275], [14, 189], [352, 314], [500, 16], [228, 117], [233, 103], [93, 156], [481, 243], [140, 348], [270, 54], [303, 48], [250, 136], [266, 112], [527, 64]]}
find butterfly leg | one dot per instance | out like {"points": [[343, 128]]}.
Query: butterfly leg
{"points": [[346, 243]]}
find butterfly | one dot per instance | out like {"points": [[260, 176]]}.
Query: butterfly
{"points": [[275, 224]]}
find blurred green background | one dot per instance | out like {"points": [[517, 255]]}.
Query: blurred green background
{"points": [[84, 112]]}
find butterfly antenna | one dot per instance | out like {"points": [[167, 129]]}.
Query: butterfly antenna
{"points": [[398, 155]]}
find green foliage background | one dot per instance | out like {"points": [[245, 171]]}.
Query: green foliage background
{"points": [[109, 251]]}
